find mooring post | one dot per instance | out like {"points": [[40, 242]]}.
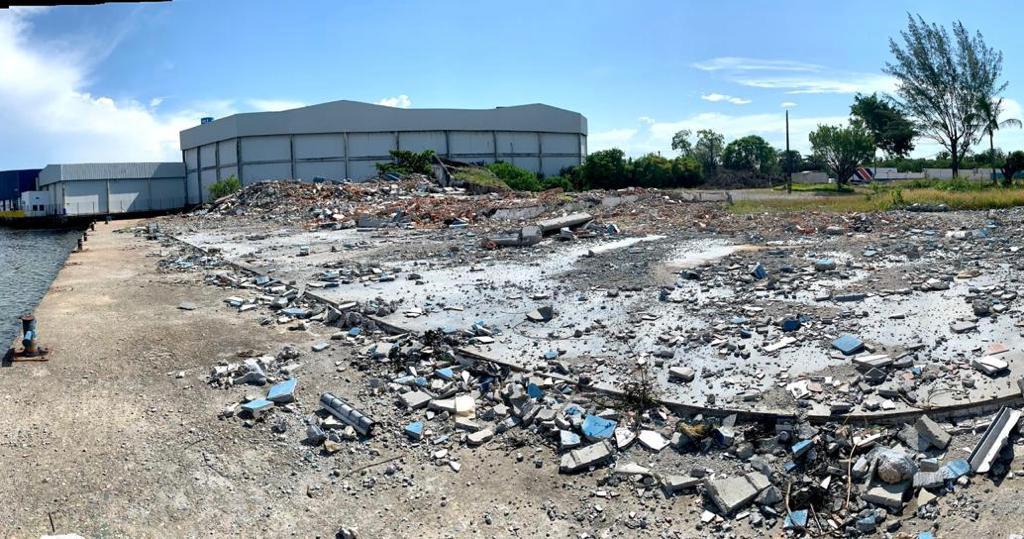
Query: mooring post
{"points": [[28, 329], [79, 244]]}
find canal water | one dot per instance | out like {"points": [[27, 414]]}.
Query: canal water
{"points": [[29, 261]]}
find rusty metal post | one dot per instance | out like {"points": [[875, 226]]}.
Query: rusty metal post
{"points": [[28, 329]]}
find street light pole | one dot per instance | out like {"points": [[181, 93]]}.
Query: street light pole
{"points": [[789, 160]]}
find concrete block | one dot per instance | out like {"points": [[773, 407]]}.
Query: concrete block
{"points": [[415, 400], [888, 495], [480, 437], [730, 494], [933, 432], [282, 392], [585, 457], [673, 484]]}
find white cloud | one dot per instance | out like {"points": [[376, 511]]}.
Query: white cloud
{"points": [[400, 101], [50, 116], [787, 104], [734, 63], [273, 105], [714, 98], [842, 84], [646, 120], [611, 138]]}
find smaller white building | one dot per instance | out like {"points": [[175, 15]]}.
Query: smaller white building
{"points": [[110, 188], [37, 203]]}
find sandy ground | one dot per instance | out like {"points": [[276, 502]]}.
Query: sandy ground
{"points": [[118, 435]]}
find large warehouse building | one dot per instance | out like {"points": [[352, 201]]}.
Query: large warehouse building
{"points": [[111, 188], [346, 139]]}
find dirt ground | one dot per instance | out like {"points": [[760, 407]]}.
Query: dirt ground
{"points": [[118, 435]]}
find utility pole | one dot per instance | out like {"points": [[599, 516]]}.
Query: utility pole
{"points": [[789, 160]]}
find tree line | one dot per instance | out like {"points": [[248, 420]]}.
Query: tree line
{"points": [[948, 87]]}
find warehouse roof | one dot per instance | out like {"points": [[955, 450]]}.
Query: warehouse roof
{"points": [[110, 171], [353, 116]]}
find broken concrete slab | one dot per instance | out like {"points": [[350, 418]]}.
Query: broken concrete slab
{"points": [[933, 432], [585, 457], [282, 392], [730, 494], [886, 494], [674, 484], [993, 440], [479, 437], [415, 400], [652, 440], [990, 365], [568, 221]]}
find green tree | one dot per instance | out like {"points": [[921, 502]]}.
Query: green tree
{"points": [[751, 153], [1014, 163], [708, 151], [681, 142], [842, 149], [516, 178], [224, 187], [652, 170], [407, 162], [686, 171], [988, 113], [893, 132], [605, 169], [941, 80]]}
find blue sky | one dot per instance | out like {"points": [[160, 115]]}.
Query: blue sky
{"points": [[118, 82]]}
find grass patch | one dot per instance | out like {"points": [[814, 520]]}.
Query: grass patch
{"points": [[837, 204], [480, 176], [986, 199], [889, 198], [816, 188]]}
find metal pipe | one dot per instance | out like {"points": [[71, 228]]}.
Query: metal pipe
{"points": [[343, 411]]}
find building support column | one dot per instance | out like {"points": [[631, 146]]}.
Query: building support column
{"points": [[347, 175], [291, 153]]}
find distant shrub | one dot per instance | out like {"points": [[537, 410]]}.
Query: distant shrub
{"points": [[555, 182], [225, 187], [407, 162], [516, 178]]}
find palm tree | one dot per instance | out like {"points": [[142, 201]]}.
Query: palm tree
{"points": [[988, 112]]}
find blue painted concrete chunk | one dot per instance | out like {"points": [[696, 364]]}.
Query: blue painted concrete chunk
{"points": [[796, 520], [568, 439], [446, 373], [790, 324], [572, 409], [534, 391], [598, 428], [422, 381], [414, 430], [801, 448], [956, 469], [354, 332], [848, 344], [282, 392], [925, 535], [256, 406], [759, 272]]}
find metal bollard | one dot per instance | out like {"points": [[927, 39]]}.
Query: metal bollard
{"points": [[79, 244], [341, 410], [85, 236], [92, 225], [28, 328]]}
